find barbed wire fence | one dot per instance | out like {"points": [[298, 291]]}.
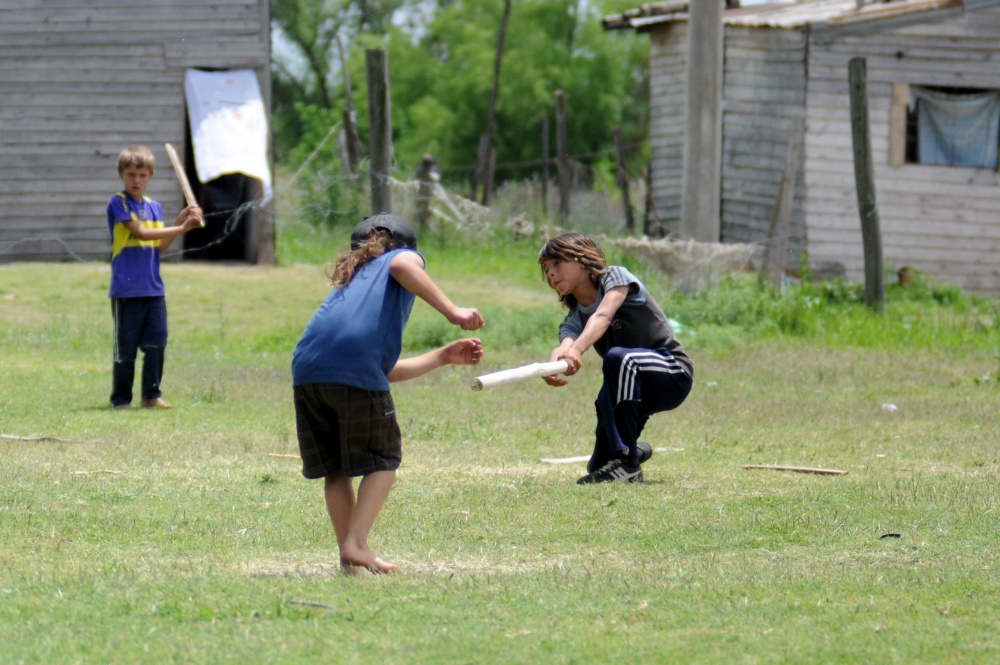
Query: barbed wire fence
{"points": [[516, 212]]}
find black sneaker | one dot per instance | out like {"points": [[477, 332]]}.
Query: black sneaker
{"points": [[614, 471], [645, 451]]}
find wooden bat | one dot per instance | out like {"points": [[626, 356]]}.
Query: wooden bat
{"points": [[519, 374], [181, 177]]}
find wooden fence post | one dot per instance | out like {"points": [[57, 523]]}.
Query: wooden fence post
{"points": [[562, 157], [424, 192], [380, 123], [491, 169], [864, 177], [479, 172], [545, 166], [622, 177]]}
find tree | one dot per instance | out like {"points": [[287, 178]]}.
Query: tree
{"points": [[306, 67], [441, 60], [441, 82]]}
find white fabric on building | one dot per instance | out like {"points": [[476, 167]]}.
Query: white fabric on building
{"points": [[228, 125]]}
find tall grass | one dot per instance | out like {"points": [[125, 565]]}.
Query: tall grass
{"points": [[189, 536]]}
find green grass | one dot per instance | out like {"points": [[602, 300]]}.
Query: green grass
{"points": [[163, 537]]}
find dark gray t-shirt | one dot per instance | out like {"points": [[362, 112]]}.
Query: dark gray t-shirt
{"points": [[638, 324]]}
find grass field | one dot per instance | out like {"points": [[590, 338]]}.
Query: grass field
{"points": [[189, 536]]}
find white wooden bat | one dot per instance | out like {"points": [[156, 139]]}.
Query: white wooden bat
{"points": [[181, 177], [519, 374]]}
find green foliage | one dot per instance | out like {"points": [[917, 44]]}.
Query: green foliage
{"points": [[738, 309], [441, 76], [834, 312], [325, 192], [303, 67], [550, 45]]}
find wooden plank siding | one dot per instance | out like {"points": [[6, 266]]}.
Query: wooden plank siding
{"points": [[764, 92], [79, 83], [668, 111], [942, 220]]}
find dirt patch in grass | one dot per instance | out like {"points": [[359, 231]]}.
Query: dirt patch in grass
{"points": [[313, 569]]}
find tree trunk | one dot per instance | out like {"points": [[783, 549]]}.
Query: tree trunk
{"points": [[484, 173], [352, 142], [622, 177]]}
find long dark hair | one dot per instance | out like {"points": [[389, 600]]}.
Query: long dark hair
{"points": [[574, 247]]}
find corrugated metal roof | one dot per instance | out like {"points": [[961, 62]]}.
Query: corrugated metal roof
{"points": [[834, 12], [790, 15]]}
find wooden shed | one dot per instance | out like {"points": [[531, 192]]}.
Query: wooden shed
{"points": [[933, 69], [79, 81]]}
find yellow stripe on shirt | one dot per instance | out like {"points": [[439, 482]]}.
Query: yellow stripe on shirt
{"points": [[123, 237]]}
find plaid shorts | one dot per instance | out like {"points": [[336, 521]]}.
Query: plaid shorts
{"points": [[347, 430]]}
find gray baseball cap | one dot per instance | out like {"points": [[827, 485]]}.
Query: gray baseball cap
{"points": [[402, 233]]}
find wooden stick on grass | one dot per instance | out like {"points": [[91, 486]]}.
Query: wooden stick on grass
{"points": [[798, 469], [14, 437], [306, 603]]}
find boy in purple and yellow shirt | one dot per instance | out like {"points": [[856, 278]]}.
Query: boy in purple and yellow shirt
{"points": [[138, 305]]}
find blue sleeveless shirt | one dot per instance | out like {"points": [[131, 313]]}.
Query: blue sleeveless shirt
{"points": [[356, 335]]}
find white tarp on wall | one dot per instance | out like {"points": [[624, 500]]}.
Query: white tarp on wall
{"points": [[228, 125]]}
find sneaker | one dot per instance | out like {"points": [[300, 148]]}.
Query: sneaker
{"points": [[645, 451], [614, 471]]}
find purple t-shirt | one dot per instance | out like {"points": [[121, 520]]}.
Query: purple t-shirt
{"points": [[135, 264]]}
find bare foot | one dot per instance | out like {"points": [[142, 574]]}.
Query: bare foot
{"points": [[158, 403], [372, 564], [352, 570]]}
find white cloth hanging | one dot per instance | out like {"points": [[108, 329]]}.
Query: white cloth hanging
{"points": [[228, 125]]}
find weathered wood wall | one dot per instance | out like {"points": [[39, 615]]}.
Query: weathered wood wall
{"points": [[942, 220], [79, 82], [668, 109], [765, 92]]}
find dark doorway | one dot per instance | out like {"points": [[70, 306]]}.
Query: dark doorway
{"points": [[228, 203]]}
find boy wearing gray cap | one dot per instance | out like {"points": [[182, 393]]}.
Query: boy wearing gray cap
{"points": [[342, 368]]}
